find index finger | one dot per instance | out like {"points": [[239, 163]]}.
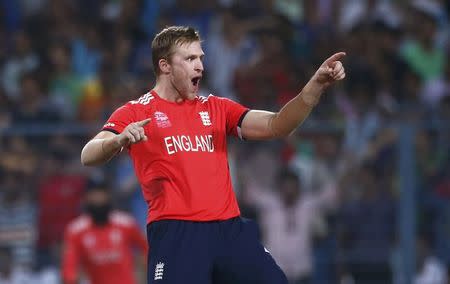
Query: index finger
{"points": [[144, 122], [335, 57]]}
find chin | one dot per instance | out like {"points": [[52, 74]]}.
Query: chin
{"points": [[191, 95]]}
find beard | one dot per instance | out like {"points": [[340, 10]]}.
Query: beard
{"points": [[99, 213], [183, 86]]}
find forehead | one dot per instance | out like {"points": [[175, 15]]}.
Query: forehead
{"points": [[97, 196], [190, 48]]}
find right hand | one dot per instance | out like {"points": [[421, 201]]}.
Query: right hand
{"points": [[133, 133]]}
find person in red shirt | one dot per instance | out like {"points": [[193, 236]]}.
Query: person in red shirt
{"points": [[177, 141], [101, 243]]}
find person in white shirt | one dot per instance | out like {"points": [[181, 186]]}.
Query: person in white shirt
{"points": [[430, 269], [289, 218], [10, 273]]}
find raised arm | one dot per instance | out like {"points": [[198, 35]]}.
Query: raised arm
{"points": [[259, 124], [105, 145]]}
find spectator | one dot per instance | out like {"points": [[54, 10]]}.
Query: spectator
{"points": [[59, 196], [9, 273], [367, 227], [34, 107], [5, 110], [101, 241], [65, 87], [18, 229], [430, 269], [420, 52], [22, 61], [86, 54], [228, 50], [289, 220]]}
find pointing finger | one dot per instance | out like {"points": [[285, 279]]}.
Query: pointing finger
{"points": [[144, 122], [335, 57]]}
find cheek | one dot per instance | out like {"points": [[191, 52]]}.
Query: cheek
{"points": [[179, 78], [179, 71]]}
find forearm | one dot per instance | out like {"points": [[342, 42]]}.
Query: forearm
{"points": [[99, 151], [295, 111]]}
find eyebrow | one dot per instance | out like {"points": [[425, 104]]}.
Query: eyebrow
{"points": [[196, 55]]}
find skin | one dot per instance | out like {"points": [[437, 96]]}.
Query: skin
{"points": [[97, 198], [174, 83]]}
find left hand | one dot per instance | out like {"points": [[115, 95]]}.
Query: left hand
{"points": [[330, 71]]}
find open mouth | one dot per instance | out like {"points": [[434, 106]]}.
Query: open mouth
{"points": [[196, 81]]}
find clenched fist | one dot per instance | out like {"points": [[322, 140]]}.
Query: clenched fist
{"points": [[133, 133]]}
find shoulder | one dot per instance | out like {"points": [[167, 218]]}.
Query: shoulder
{"points": [[135, 107], [204, 99], [221, 100], [122, 219], [138, 103], [212, 99], [143, 100], [79, 225]]}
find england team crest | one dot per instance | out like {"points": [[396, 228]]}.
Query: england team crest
{"points": [[204, 115]]}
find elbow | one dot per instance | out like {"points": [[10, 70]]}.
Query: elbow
{"points": [[84, 158], [85, 162]]}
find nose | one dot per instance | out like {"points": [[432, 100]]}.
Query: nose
{"points": [[198, 65]]}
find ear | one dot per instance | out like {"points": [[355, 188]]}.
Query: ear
{"points": [[164, 66]]}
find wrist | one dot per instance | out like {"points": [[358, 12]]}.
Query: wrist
{"points": [[114, 144], [111, 147], [312, 92], [117, 141]]}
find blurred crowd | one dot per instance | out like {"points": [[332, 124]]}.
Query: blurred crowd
{"points": [[326, 199]]}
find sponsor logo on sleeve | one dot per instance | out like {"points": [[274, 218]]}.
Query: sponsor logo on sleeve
{"points": [[109, 125]]}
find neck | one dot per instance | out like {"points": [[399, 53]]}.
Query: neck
{"points": [[167, 91]]}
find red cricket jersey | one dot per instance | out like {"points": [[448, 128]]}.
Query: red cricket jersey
{"points": [[104, 253], [183, 166]]}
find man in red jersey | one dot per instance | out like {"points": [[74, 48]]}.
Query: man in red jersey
{"points": [[101, 243], [177, 141]]}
